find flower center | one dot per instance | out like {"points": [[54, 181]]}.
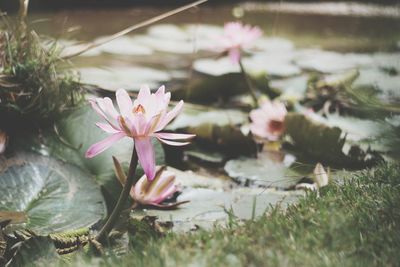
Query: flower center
{"points": [[275, 126], [139, 109]]}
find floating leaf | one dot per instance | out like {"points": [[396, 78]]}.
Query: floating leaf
{"points": [[54, 196], [216, 127], [270, 169], [324, 143], [130, 78], [36, 251], [331, 62], [212, 200], [292, 88]]}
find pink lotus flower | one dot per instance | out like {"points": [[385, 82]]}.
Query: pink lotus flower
{"points": [[140, 120], [268, 120], [3, 141], [152, 193], [236, 37]]}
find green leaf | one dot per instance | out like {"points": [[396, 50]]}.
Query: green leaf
{"points": [[328, 144], [215, 129], [55, 196], [36, 251], [269, 169], [213, 200]]}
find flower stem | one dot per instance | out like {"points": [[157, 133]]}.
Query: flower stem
{"points": [[248, 83], [122, 198]]}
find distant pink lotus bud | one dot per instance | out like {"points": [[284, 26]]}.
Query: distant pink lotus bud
{"points": [[237, 37], [152, 193], [141, 120], [3, 141], [268, 121]]}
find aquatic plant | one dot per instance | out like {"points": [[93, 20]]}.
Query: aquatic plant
{"points": [[268, 120], [34, 86], [141, 120], [236, 37]]}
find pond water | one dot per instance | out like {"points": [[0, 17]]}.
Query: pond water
{"points": [[168, 50]]}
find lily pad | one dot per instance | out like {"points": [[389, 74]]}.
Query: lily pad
{"points": [[292, 89], [190, 179], [215, 67], [217, 129], [76, 132], [208, 207], [36, 251], [129, 78], [272, 64], [55, 196], [323, 143], [268, 64], [331, 62], [196, 115], [389, 85], [268, 170]]}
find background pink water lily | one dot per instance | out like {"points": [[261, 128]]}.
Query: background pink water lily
{"points": [[268, 120], [141, 120], [236, 37]]}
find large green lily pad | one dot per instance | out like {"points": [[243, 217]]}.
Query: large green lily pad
{"points": [[55, 196], [269, 169], [214, 200], [36, 251], [327, 144]]}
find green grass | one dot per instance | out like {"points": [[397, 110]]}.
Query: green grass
{"points": [[35, 84], [356, 223]]}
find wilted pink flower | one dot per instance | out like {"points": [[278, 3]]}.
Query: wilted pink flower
{"points": [[268, 120], [3, 141], [141, 120], [236, 37], [152, 193]]}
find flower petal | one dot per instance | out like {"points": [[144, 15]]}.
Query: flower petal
{"points": [[174, 136], [99, 147], [172, 143], [144, 94], [160, 91], [166, 193], [124, 102], [95, 106], [170, 116], [146, 155], [107, 127], [234, 55]]}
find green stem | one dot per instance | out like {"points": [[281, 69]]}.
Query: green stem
{"points": [[248, 83], [130, 181]]}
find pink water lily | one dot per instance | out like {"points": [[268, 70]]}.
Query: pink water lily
{"points": [[152, 193], [268, 120], [141, 120], [237, 37]]}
